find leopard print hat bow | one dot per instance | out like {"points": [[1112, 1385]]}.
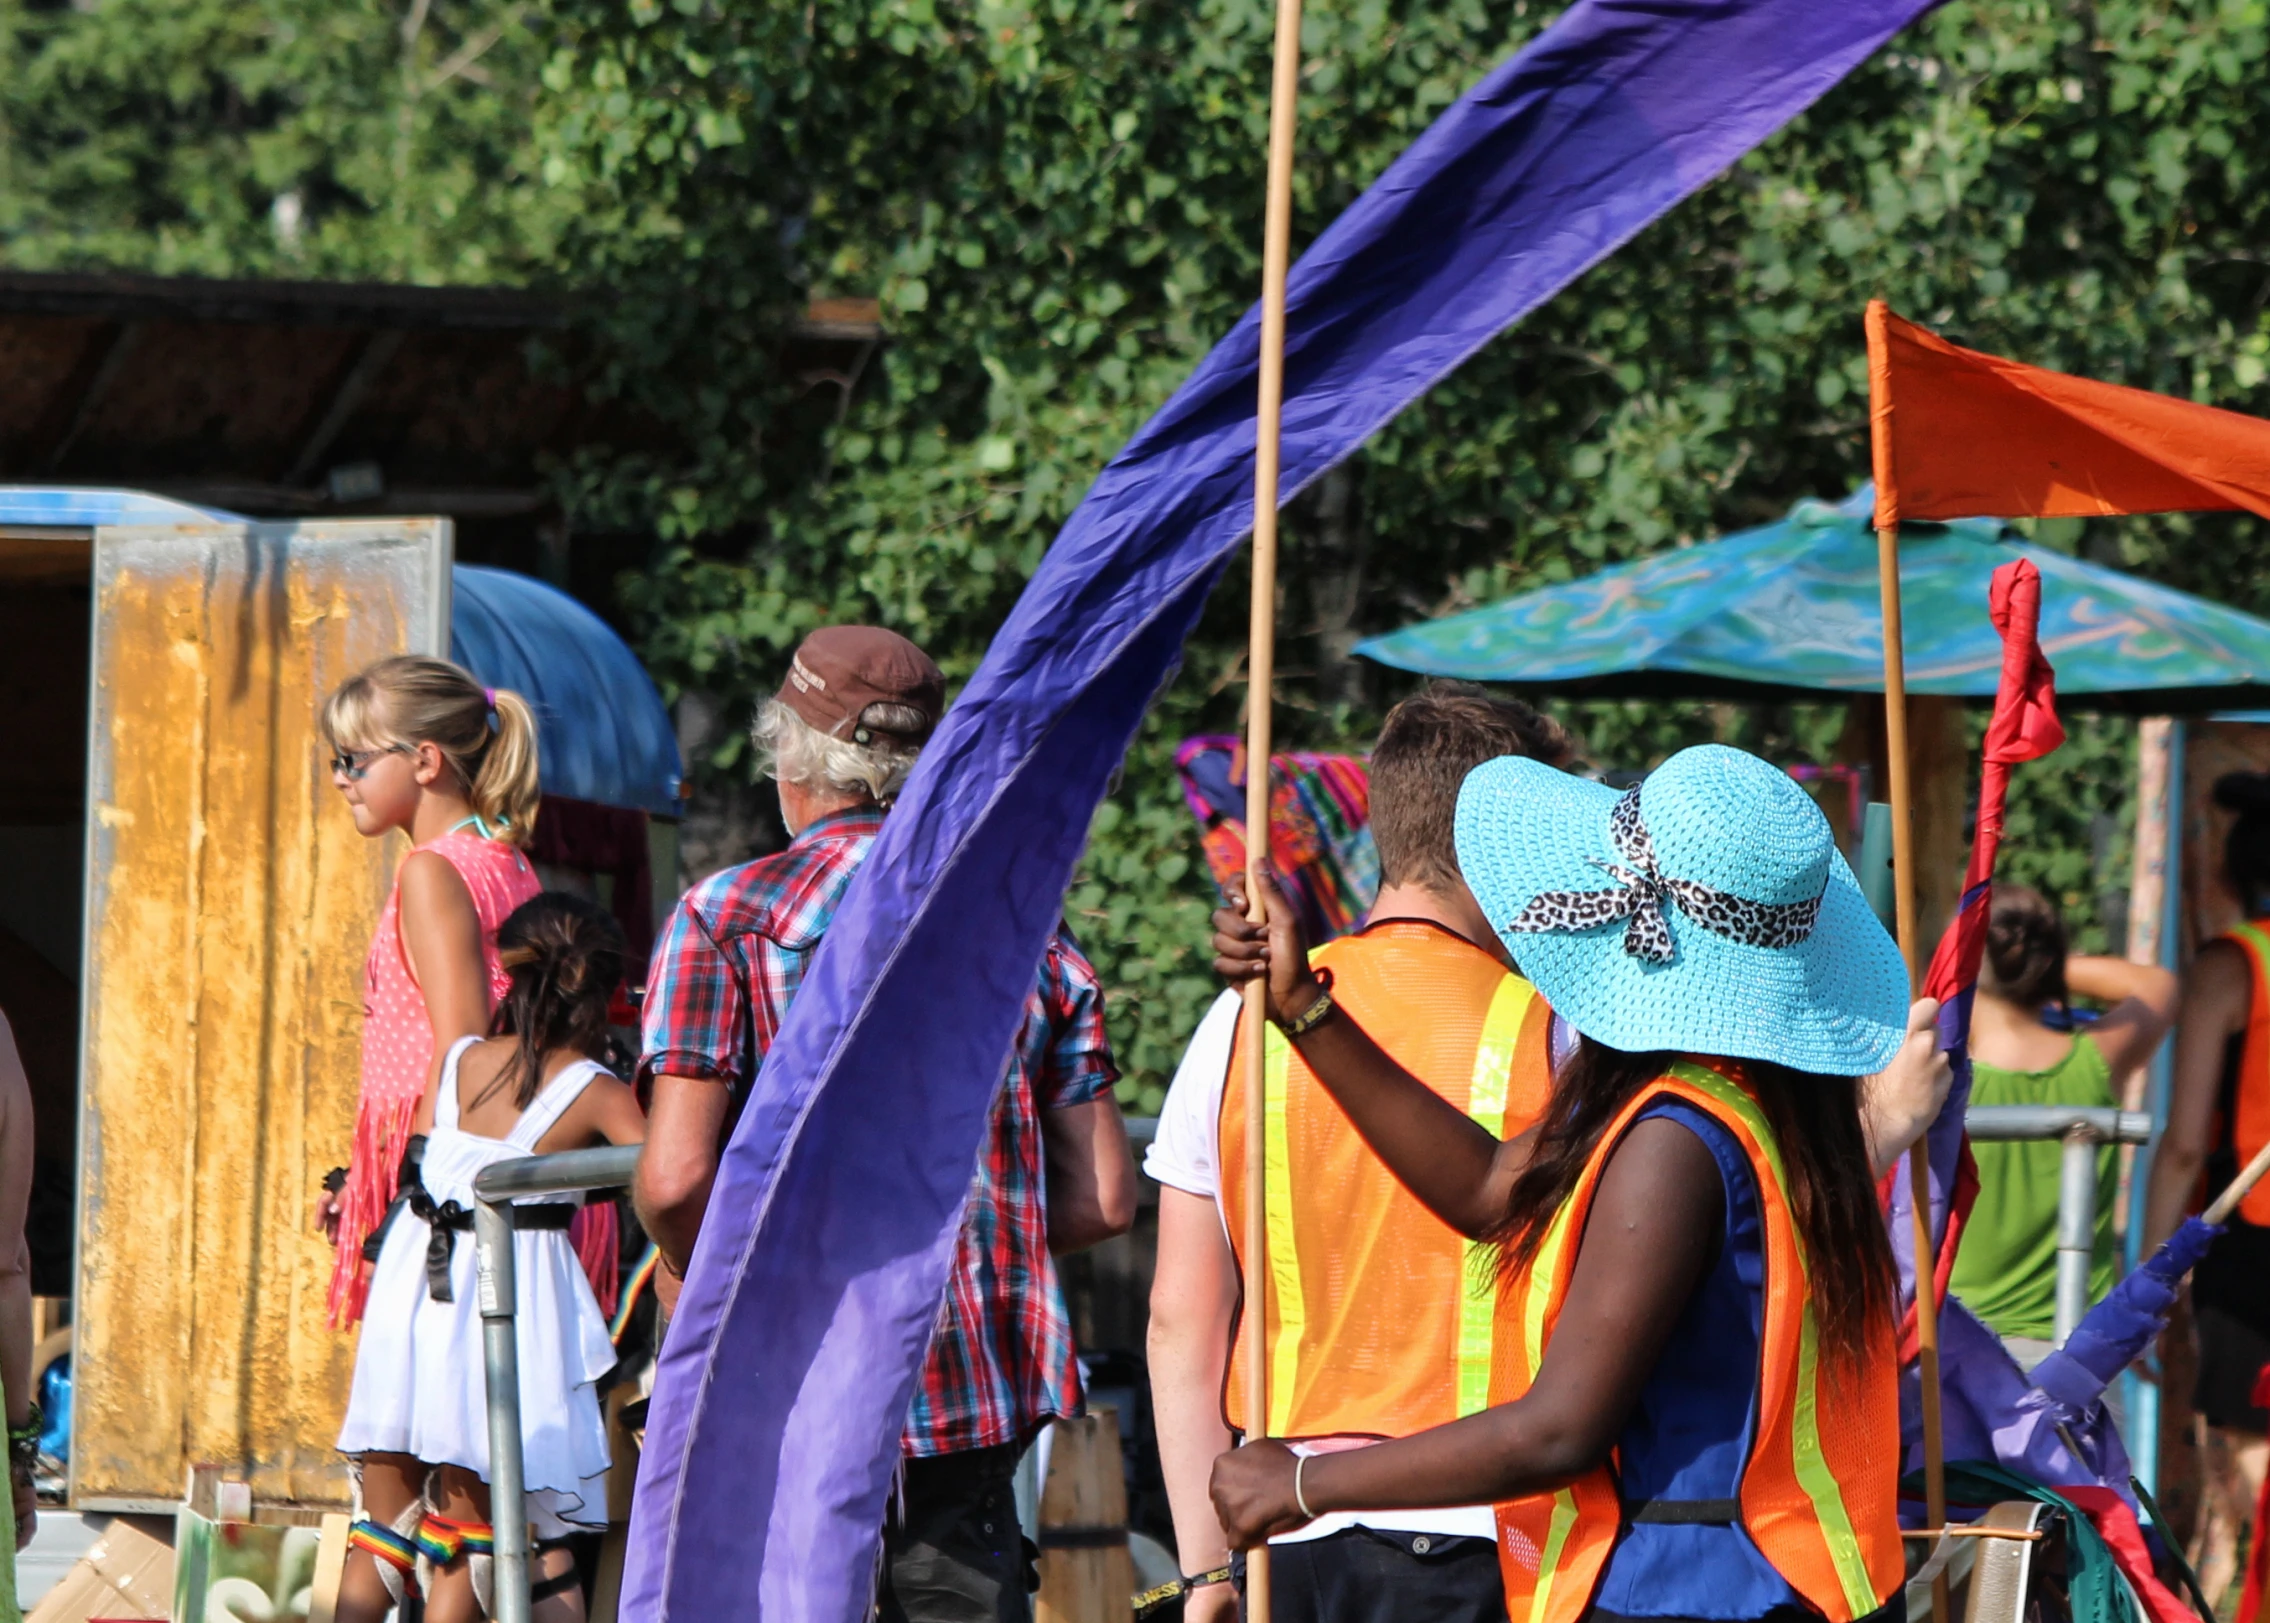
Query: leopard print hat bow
{"points": [[1641, 892]]}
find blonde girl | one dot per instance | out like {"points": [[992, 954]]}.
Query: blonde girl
{"points": [[419, 746]]}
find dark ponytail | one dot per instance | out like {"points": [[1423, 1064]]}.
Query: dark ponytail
{"points": [[566, 957], [1824, 1154]]}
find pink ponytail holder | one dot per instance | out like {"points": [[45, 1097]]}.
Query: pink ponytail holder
{"points": [[490, 694]]}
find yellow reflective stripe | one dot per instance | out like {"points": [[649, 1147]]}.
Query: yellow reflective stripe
{"points": [[1813, 1473], [1538, 1296], [2256, 943], [1284, 1249], [1485, 1102], [1544, 1272], [1548, 1565]]}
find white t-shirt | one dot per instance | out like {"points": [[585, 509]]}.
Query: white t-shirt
{"points": [[1184, 1156]]}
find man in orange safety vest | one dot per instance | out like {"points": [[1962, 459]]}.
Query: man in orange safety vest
{"points": [[1381, 1319]]}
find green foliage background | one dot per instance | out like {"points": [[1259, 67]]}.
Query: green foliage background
{"points": [[1058, 203]]}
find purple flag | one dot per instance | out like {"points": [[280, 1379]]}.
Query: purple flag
{"points": [[778, 1404]]}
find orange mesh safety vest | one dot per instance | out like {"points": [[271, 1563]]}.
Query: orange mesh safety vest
{"points": [[1819, 1493], [2250, 1112], [1381, 1317]]}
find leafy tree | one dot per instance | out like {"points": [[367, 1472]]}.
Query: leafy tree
{"points": [[300, 138], [1059, 206]]}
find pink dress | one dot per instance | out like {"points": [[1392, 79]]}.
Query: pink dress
{"points": [[398, 1046]]}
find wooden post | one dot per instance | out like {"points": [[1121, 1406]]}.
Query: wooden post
{"points": [[1919, 1154], [1087, 1574], [1261, 661]]}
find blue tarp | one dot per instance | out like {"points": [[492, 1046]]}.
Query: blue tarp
{"points": [[602, 730], [784, 1383]]}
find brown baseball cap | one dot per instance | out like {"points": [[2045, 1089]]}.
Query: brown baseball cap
{"points": [[838, 671]]}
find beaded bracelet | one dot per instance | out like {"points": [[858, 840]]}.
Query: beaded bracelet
{"points": [[1300, 1025]]}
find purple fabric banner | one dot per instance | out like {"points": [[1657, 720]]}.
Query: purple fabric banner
{"points": [[774, 1430]]}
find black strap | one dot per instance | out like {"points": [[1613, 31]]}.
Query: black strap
{"points": [[559, 1583], [1683, 1512], [413, 1157], [446, 1220]]}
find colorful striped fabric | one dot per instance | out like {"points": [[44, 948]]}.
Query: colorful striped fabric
{"points": [[1319, 827]]}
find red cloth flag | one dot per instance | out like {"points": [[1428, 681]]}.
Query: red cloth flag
{"points": [[2025, 727], [1958, 434]]}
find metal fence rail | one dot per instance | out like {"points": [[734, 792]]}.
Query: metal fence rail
{"points": [[2083, 1130], [493, 1192]]}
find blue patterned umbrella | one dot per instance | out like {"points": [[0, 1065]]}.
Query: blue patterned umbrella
{"points": [[1793, 608]]}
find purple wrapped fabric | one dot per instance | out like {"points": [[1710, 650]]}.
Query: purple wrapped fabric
{"points": [[2120, 1327], [1990, 1410], [774, 1430]]}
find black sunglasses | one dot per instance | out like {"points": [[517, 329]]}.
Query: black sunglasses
{"points": [[352, 764]]}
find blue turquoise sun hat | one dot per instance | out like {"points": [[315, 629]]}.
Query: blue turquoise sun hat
{"points": [[1705, 910]]}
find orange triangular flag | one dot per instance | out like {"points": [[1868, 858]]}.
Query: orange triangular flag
{"points": [[1958, 434]]}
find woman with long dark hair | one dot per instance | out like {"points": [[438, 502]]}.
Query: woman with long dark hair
{"points": [[1694, 1405]]}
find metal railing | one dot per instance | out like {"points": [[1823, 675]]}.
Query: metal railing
{"points": [[2084, 1131], [494, 1190]]}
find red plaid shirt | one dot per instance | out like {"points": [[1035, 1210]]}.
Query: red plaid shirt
{"points": [[1001, 1360]]}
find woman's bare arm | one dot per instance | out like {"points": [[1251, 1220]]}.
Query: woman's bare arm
{"points": [[1460, 1170], [1657, 1212], [441, 932], [2216, 993], [2140, 1003]]}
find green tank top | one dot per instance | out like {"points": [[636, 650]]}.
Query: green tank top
{"points": [[2006, 1269]]}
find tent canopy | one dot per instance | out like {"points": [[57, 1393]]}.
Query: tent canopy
{"points": [[1791, 610], [602, 730]]}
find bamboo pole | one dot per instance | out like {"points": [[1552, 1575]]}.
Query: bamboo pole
{"points": [[2227, 1202], [1919, 1154], [1261, 661]]}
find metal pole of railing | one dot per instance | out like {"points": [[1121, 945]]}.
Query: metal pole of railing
{"points": [[493, 1192], [2076, 1229], [1993, 1123], [500, 1351], [2084, 1129]]}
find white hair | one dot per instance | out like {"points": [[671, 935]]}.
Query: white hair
{"points": [[792, 750]]}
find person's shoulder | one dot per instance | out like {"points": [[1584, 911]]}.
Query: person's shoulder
{"points": [[1064, 961], [428, 875], [773, 895], [2224, 957]]}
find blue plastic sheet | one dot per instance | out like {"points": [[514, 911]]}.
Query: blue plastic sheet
{"points": [[603, 733]]}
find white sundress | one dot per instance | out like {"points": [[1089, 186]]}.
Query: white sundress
{"points": [[419, 1386]]}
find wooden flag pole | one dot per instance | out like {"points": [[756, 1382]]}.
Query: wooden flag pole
{"points": [[1919, 1154], [1261, 662], [1875, 325]]}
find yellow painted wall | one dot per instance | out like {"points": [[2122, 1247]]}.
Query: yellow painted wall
{"points": [[231, 905]]}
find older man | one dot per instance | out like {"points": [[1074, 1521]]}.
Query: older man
{"points": [[840, 737]]}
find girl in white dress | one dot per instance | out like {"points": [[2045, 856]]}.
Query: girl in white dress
{"points": [[419, 1397]]}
